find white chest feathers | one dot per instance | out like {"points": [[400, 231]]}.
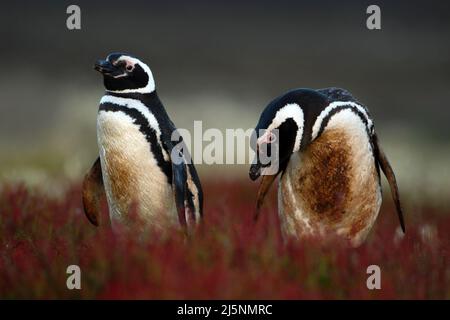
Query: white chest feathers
{"points": [[131, 174]]}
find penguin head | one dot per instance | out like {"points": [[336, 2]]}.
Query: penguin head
{"points": [[283, 121], [123, 73], [277, 135]]}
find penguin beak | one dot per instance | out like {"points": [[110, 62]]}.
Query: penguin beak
{"points": [[264, 187], [255, 171], [104, 67]]}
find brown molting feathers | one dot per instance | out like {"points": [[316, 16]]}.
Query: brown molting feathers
{"points": [[332, 184]]}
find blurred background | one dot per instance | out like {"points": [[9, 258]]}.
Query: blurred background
{"points": [[222, 62]]}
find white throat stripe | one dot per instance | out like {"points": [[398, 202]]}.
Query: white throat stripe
{"points": [[134, 104], [139, 106], [331, 107]]}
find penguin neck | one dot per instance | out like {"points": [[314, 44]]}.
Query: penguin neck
{"points": [[148, 99]]}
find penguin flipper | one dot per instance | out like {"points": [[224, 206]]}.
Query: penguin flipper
{"points": [[390, 176], [184, 172], [194, 193], [93, 192], [179, 179]]}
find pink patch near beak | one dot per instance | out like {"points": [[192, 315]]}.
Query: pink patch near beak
{"points": [[267, 137]]}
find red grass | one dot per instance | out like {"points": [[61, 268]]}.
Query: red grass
{"points": [[229, 257]]}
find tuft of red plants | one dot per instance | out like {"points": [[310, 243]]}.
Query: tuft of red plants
{"points": [[228, 257]]}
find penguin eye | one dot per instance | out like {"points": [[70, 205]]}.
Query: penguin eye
{"points": [[267, 138], [129, 67], [272, 137]]}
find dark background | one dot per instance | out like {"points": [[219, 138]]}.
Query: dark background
{"points": [[222, 62]]}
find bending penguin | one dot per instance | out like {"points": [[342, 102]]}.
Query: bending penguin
{"points": [[142, 159], [329, 161]]}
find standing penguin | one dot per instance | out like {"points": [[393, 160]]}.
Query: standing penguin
{"points": [[329, 159], [143, 159]]}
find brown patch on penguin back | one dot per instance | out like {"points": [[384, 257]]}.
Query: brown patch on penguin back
{"points": [[324, 179]]}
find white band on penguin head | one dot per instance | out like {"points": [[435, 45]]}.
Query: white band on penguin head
{"points": [[290, 111]]}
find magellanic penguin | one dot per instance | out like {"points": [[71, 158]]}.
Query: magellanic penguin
{"points": [[328, 160], [143, 162]]}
